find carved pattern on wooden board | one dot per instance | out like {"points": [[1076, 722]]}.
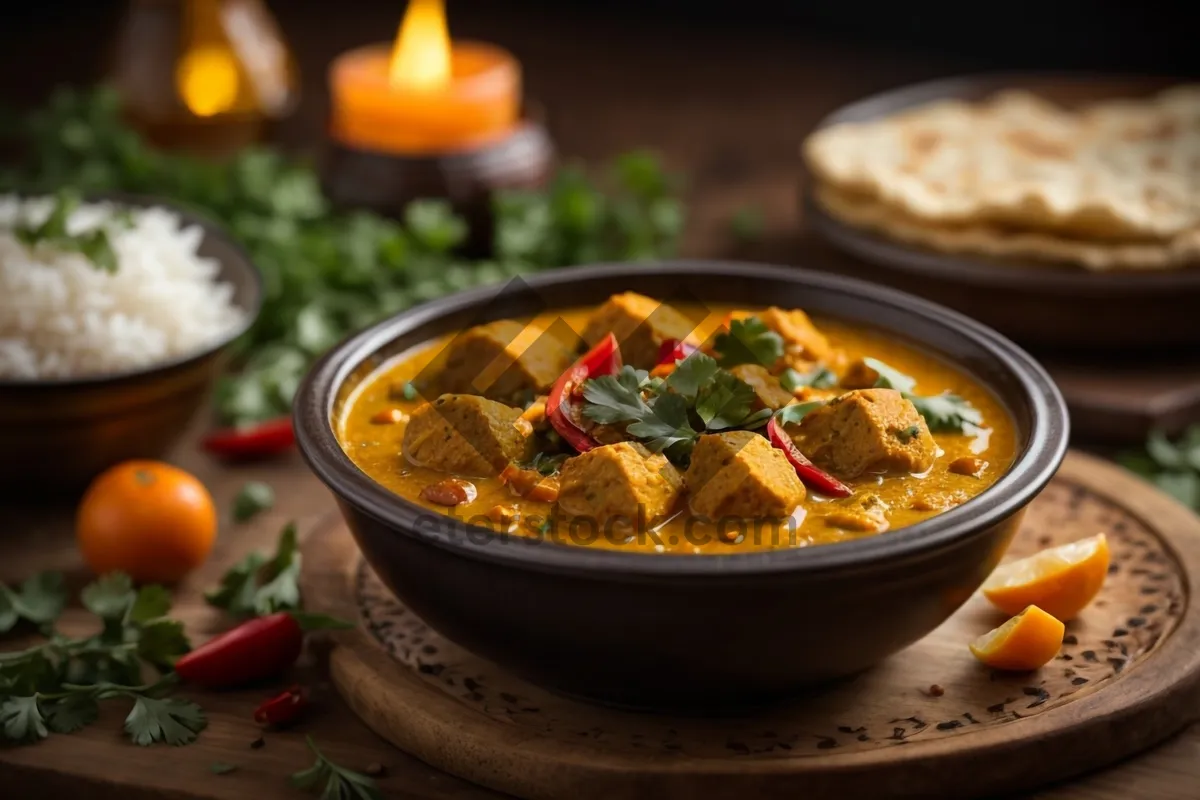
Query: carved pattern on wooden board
{"points": [[934, 689]]}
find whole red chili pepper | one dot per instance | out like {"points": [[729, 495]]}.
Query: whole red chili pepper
{"points": [[603, 359], [263, 439], [283, 708], [812, 476], [255, 650]]}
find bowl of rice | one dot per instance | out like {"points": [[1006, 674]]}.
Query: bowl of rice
{"points": [[116, 316]]}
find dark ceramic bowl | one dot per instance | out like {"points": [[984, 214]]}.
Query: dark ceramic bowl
{"points": [[674, 630], [57, 434]]}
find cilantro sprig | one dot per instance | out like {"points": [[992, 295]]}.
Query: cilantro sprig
{"points": [[1174, 467], [259, 585], [327, 272], [669, 416], [943, 413], [332, 781], [748, 341], [57, 686]]}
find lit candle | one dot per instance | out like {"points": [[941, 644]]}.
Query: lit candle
{"points": [[426, 94]]}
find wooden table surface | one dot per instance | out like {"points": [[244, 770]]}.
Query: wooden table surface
{"points": [[729, 111]]}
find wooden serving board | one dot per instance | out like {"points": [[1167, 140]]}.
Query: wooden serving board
{"points": [[930, 721]]}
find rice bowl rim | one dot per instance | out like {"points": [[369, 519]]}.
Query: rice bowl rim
{"points": [[210, 228]]}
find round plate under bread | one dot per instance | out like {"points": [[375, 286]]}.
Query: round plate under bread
{"points": [[1036, 303]]}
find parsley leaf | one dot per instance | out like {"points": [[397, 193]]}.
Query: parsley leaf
{"points": [[818, 377], [943, 413], [890, 377], [334, 782], [170, 720], [152, 601], [748, 341], [545, 464], [72, 713], [666, 426], [253, 497], [256, 586], [615, 398], [110, 596], [691, 374], [40, 600], [22, 720], [161, 641], [725, 401], [793, 413]]}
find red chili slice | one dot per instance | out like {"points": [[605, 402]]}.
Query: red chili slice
{"points": [[264, 439], [812, 476], [282, 709], [673, 350], [603, 359], [257, 649]]}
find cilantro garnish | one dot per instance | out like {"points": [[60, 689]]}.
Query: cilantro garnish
{"points": [[748, 341], [545, 464], [252, 498], [1174, 467], [669, 416], [57, 686], [793, 413], [943, 413], [94, 244], [818, 377], [334, 782], [256, 586]]}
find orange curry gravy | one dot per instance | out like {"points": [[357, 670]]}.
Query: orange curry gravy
{"points": [[376, 450]]}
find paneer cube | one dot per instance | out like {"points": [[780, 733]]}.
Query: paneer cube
{"points": [[768, 392], [623, 483], [503, 360], [867, 430], [467, 435], [739, 474], [641, 324], [803, 343]]}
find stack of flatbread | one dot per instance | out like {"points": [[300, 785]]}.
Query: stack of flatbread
{"points": [[1112, 186]]}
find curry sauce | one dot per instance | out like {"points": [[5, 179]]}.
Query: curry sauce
{"points": [[888, 494]]}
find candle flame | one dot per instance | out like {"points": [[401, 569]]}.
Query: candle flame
{"points": [[421, 55], [207, 80]]}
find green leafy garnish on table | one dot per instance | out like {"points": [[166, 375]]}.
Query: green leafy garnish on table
{"points": [[254, 497], [748, 341], [943, 413], [1174, 467], [93, 244], [334, 782], [56, 686], [258, 585], [669, 416], [327, 272]]}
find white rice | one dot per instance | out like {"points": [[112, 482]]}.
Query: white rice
{"points": [[62, 317]]}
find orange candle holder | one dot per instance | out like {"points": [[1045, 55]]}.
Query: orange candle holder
{"points": [[392, 141]]}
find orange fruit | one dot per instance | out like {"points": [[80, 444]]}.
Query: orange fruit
{"points": [[1025, 642], [146, 518], [1062, 580]]}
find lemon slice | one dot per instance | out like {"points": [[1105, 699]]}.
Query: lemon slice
{"points": [[1060, 580], [1027, 641]]}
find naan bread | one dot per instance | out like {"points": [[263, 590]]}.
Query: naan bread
{"points": [[1120, 170], [991, 240]]}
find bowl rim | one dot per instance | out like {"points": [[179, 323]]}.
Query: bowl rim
{"points": [[189, 217], [1031, 470]]}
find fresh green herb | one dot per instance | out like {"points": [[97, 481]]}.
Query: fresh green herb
{"points": [[257, 586], [334, 782], [327, 272], [943, 413], [906, 435], [749, 341], [56, 686], [1174, 467], [794, 413], [39, 600], [747, 224], [253, 497], [890, 377], [670, 415], [94, 244], [169, 720], [818, 377], [219, 768], [408, 391]]}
